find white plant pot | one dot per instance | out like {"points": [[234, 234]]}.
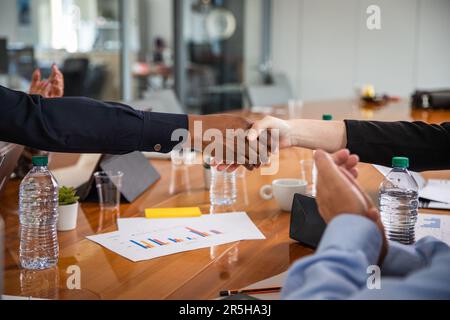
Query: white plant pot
{"points": [[68, 215]]}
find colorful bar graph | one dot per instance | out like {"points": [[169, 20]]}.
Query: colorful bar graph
{"points": [[201, 234], [147, 244], [153, 242], [138, 244], [156, 241]]}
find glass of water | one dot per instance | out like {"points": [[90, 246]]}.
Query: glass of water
{"points": [[223, 189], [109, 184], [309, 174]]}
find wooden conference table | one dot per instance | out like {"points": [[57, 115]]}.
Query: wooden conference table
{"points": [[199, 274]]}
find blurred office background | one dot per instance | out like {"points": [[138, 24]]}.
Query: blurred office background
{"points": [[216, 54]]}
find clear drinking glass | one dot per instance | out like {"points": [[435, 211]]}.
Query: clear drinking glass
{"points": [[223, 191], [109, 185], [309, 174]]}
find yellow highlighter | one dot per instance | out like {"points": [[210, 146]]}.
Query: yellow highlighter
{"points": [[168, 213]]}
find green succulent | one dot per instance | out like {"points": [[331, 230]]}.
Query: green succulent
{"points": [[67, 196]]}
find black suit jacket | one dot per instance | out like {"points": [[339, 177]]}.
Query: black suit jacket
{"points": [[83, 125], [427, 146]]}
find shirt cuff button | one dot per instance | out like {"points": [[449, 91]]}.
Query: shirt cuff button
{"points": [[158, 148]]}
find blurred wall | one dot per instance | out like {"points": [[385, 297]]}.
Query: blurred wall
{"points": [[252, 40], [160, 20], [9, 23], [326, 49]]}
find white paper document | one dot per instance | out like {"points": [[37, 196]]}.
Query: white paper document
{"points": [[437, 226], [140, 239], [433, 190], [436, 190]]}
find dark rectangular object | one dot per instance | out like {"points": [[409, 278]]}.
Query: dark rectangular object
{"points": [[307, 225], [431, 99], [4, 59], [138, 176]]}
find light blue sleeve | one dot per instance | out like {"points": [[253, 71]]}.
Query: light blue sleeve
{"points": [[338, 270], [402, 260], [350, 245], [432, 281]]}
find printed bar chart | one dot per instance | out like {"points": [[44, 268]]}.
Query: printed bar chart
{"points": [[151, 243], [199, 233], [140, 239]]}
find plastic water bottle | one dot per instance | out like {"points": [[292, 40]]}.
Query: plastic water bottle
{"points": [[38, 206], [399, 202], [223, 191]]}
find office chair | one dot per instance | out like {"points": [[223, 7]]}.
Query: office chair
{"points": [[75, 72], [159, 101], [268, 95], [95, 81], [281, 79]]}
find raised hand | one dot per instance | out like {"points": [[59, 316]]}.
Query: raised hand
{"points": [[56, 83], [51, 88], [39, 87]]}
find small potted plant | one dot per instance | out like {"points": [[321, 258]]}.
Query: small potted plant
{"points": [[68, 209]]}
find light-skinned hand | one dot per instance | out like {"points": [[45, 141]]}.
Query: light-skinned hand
{"points": [[338, 191], [272, 123]]}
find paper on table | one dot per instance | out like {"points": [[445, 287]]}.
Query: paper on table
{"points": [[421, 181], [231, 221], [434, 190], [438, 205], [437, 226], [143, 239]]}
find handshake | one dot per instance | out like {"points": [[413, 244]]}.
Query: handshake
{"points": [[232, 141]]}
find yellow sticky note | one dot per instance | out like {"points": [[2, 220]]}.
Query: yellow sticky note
{"points": [[165, 213]]}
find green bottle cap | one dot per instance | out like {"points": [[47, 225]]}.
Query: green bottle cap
{"points": [[327, 117], [400, 162], [40, 161]]}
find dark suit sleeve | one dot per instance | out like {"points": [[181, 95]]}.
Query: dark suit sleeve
{"points": [[83, 125], [427, 146]]}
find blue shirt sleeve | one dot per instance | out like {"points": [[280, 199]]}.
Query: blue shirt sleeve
{"points": [[339, 269], [416, 272], [402, 260]]}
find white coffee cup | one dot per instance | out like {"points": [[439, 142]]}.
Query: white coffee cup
{"points": [[67, 217], [283, 190]]}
